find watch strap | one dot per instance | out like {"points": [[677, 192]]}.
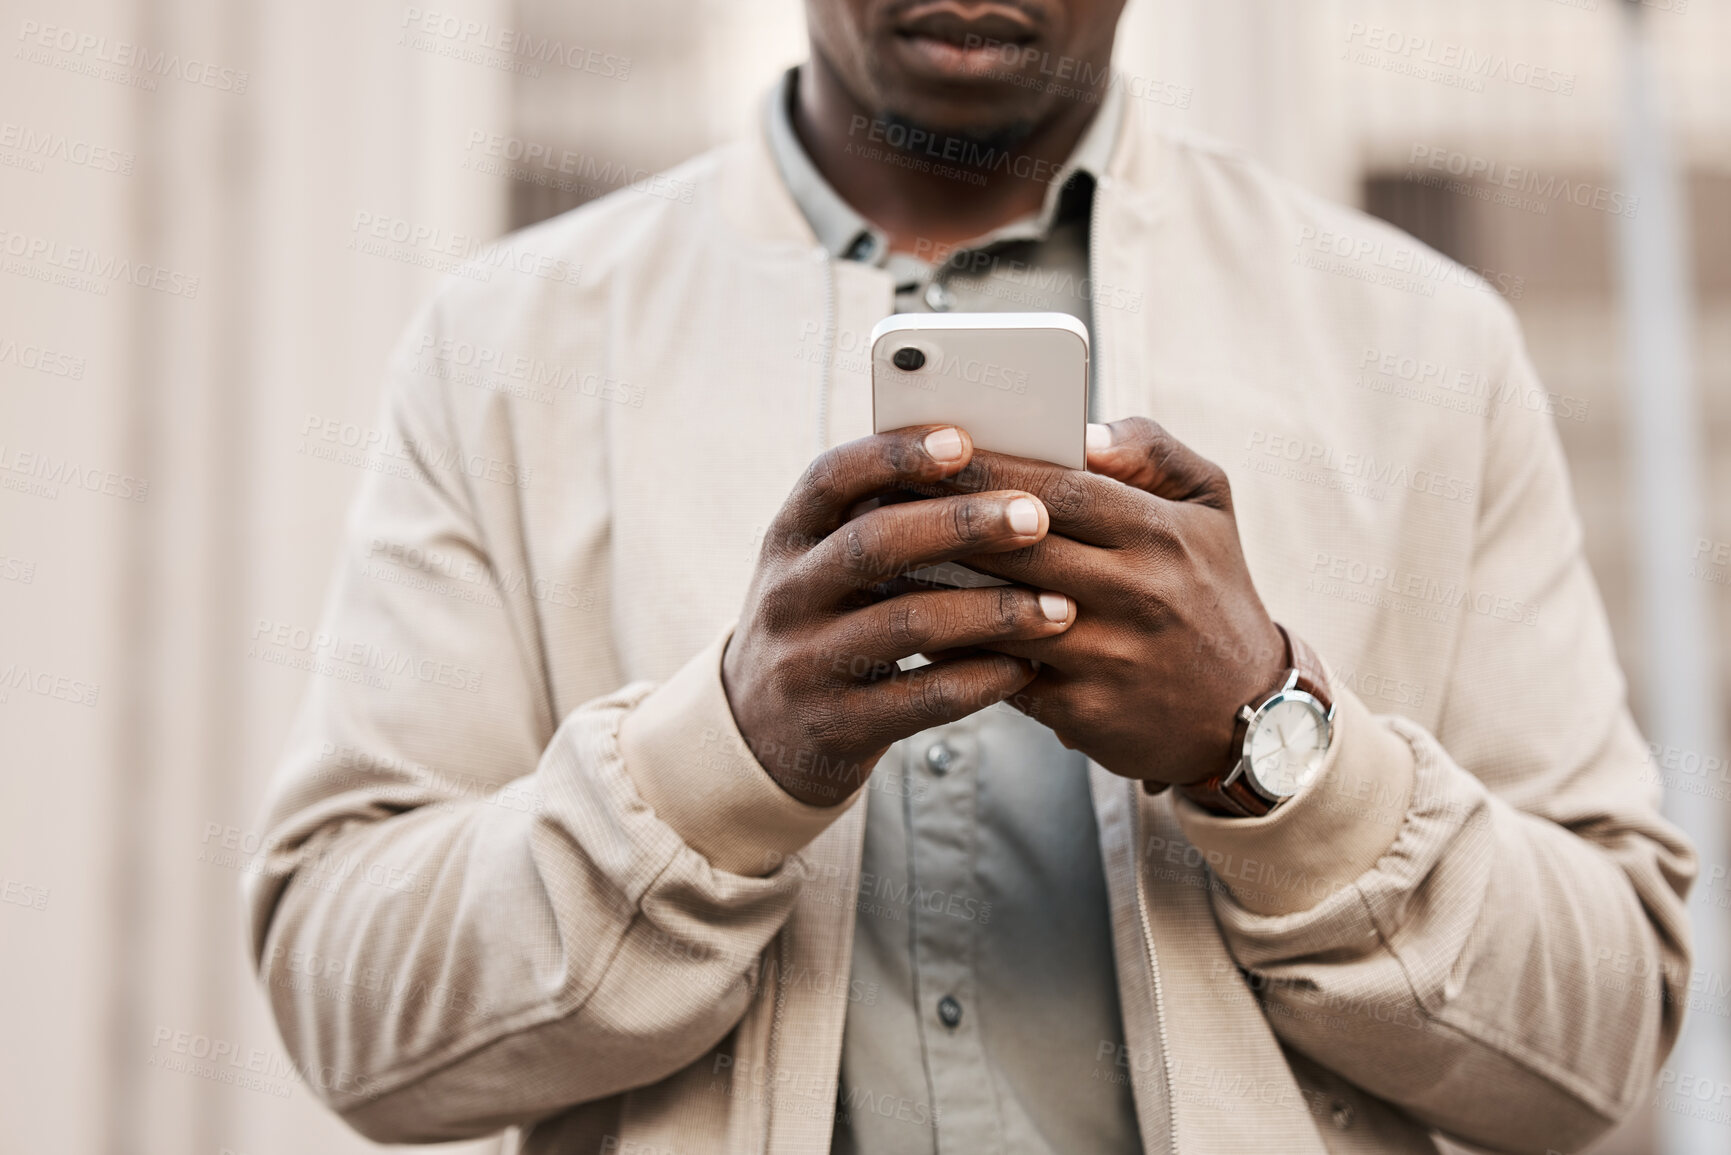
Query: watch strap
{"points": [[1312, 677], [1228, 791]]}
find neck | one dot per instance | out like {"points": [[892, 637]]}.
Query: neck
{"points": [[921, 210]]}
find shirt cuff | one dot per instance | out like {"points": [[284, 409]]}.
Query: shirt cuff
{"points": [[1327, 835], [687, 759]]}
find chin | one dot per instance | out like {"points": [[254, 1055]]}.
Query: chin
{"points": [[999, 115], [987, 134]]}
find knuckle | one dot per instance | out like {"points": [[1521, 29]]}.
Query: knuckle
{"points": [[908, 625], [1219, 487], [863, 547], [1008, 609], [780, 606], [1143, 429], [903, 455], [1067, 496], [934, 697], [968, 520], [976, 477], [1148, 609], [828, 730], [821, 481]]}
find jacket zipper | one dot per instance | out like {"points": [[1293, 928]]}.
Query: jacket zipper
{"points": [[823, 389], [1094, 214], [770, 1056], [1153, 969]]}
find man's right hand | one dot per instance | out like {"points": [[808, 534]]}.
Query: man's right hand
{"points": [[811, 672]]}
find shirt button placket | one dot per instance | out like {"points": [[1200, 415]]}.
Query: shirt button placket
{"points": [[942, 845]]}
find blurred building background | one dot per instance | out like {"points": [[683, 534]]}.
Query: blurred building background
{"points": [[236, 153]]}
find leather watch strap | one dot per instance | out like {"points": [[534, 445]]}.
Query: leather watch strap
{"points": [[1228, 792], [1312, 678]]}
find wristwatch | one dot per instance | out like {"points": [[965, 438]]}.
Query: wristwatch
{"points": [[1278, 746]]}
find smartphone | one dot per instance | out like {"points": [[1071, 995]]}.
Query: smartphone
{"points": [[1017, 382]]}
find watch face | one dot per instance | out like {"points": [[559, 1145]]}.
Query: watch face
{"points": [[1287, 745]]}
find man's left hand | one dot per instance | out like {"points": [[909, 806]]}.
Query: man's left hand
{"points": [[1170, 637]]}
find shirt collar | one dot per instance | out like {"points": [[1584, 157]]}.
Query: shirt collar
{"points": [[846, 235]]}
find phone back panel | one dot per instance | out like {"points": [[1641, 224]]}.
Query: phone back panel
{"points": [[1017, 382]]}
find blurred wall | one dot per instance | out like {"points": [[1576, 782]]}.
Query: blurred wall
{"points": [[197, 292]]}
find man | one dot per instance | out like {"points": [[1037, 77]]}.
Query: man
{"points": [[624, 819]]}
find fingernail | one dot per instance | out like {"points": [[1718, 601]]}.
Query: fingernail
{"points": [[944, 444], [1056, 607], [1024, 515], [1099, 436]]}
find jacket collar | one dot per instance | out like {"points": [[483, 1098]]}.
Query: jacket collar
{"points": [[847, 235], [754, 199]]}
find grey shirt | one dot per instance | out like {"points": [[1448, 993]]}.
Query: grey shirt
{"points": [[982, 935]]}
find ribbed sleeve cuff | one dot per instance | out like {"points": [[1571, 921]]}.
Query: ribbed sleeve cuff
{"points": [[688, 761], [1326, 837]]}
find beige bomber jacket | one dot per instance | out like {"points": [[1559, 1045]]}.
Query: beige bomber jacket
{"points": [[521, 871]]}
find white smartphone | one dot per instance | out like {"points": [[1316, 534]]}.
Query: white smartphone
{"points": [[1017, 382]]}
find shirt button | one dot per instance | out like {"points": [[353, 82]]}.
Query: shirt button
{"points": [[949, 1011], [1342, 1114], [939, 298], [940, 756]]}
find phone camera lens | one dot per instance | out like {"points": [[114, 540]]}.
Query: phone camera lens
{"points": [[908, 358]]}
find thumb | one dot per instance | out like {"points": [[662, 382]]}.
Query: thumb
{"points": [[1139, 452]]}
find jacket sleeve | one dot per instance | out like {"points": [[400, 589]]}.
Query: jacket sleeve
{"points": [[461, 920], [1484, 926]]}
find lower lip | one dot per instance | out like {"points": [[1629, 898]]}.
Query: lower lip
{"points": [[988, 61]]}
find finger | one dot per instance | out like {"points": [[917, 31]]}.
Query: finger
{"points": [[895, 540], [935, 695], [920, 623], [1083, 505], [1086, 572], [1140, 453], [1073, 652], [843, 477]]}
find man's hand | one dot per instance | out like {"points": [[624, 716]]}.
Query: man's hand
{"points": [[811, 673], [1170, 638]]}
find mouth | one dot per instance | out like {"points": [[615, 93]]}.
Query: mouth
{"points": [[961, 40]]}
